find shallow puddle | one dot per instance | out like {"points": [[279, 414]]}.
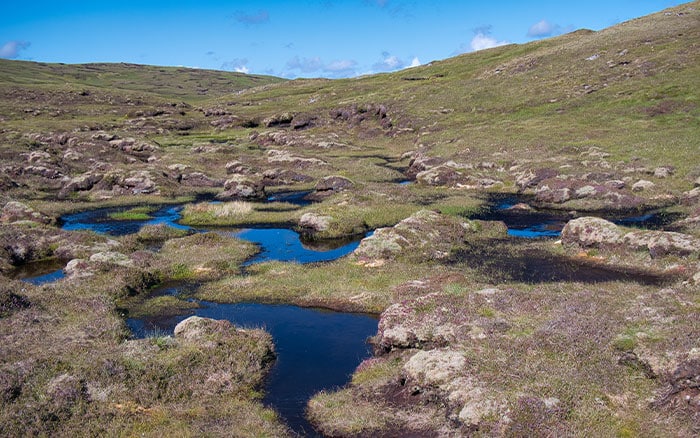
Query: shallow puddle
{"points": [[41, 272]]}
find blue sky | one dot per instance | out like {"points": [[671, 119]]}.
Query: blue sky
{"points": [[315, 38]]}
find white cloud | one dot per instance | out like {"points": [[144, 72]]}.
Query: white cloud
{"points": [[305, 65], [544, 28], [389, 62], [483, 41], [11, 49], [337, 68], [415, 62], [541, 29], [238, 65], [342, 65]]}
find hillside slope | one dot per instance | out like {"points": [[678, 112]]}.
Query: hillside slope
{"points": [[167, 82], [631, 90]]}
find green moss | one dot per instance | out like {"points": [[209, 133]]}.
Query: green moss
{"points": [[455, 289], [181, 271]]}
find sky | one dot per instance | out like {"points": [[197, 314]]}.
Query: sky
{"points": [[291, 39]]}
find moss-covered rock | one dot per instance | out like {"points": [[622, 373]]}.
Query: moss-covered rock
{"points": [[427, 235]]}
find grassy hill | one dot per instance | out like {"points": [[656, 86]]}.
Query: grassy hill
{"points": [[166, 82], [632, 89]]}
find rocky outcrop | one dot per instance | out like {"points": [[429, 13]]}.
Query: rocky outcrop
{"points": [[284, 177], [131, 146], [402, 325], [591, 232], [250, 350], [531, 178], [313, 222], [691, 196], [420, 163], [642, 185], [334, 183], [15, 211], [278, 157], [600, 190], [237, 167], [356, 114], [455, 175], [596, 232], [329, 186], [278, 120], [242, 187], [139, 182], [662, 243], [443, 175], [441, 373], [78, 268], [426, 234], [83, 182], [112, 258], [199, 179]]}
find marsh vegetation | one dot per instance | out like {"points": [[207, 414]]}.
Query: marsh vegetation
{"points": [[591, 328]]}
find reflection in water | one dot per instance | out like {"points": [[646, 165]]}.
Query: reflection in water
{"points": [[279, 244], [99, 221], [285, 245], [316, 349], [296, 198], [532, 224], [41, 272]]}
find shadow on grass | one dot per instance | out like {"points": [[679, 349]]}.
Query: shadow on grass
{"points": [[504, 261]]}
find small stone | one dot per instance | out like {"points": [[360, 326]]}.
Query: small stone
{"points": [[315, 222], [591, 231], [641, 185], [663, 172]]}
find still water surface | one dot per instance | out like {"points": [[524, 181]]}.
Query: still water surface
{"points": [[316, 349]]}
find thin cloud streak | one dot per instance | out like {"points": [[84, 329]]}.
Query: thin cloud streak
{"points": [[12, 49], [544, 29], [261, 17]]}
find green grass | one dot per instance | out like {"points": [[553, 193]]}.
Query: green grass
{"points": [[134, 214], [168, 82]]}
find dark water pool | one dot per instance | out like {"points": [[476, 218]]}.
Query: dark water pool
{"points": [[41, 272], [296, 198], [534, 224], [316, 349]]}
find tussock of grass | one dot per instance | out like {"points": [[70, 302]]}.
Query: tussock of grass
{"points": [[133, 214], [238, 213]]}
